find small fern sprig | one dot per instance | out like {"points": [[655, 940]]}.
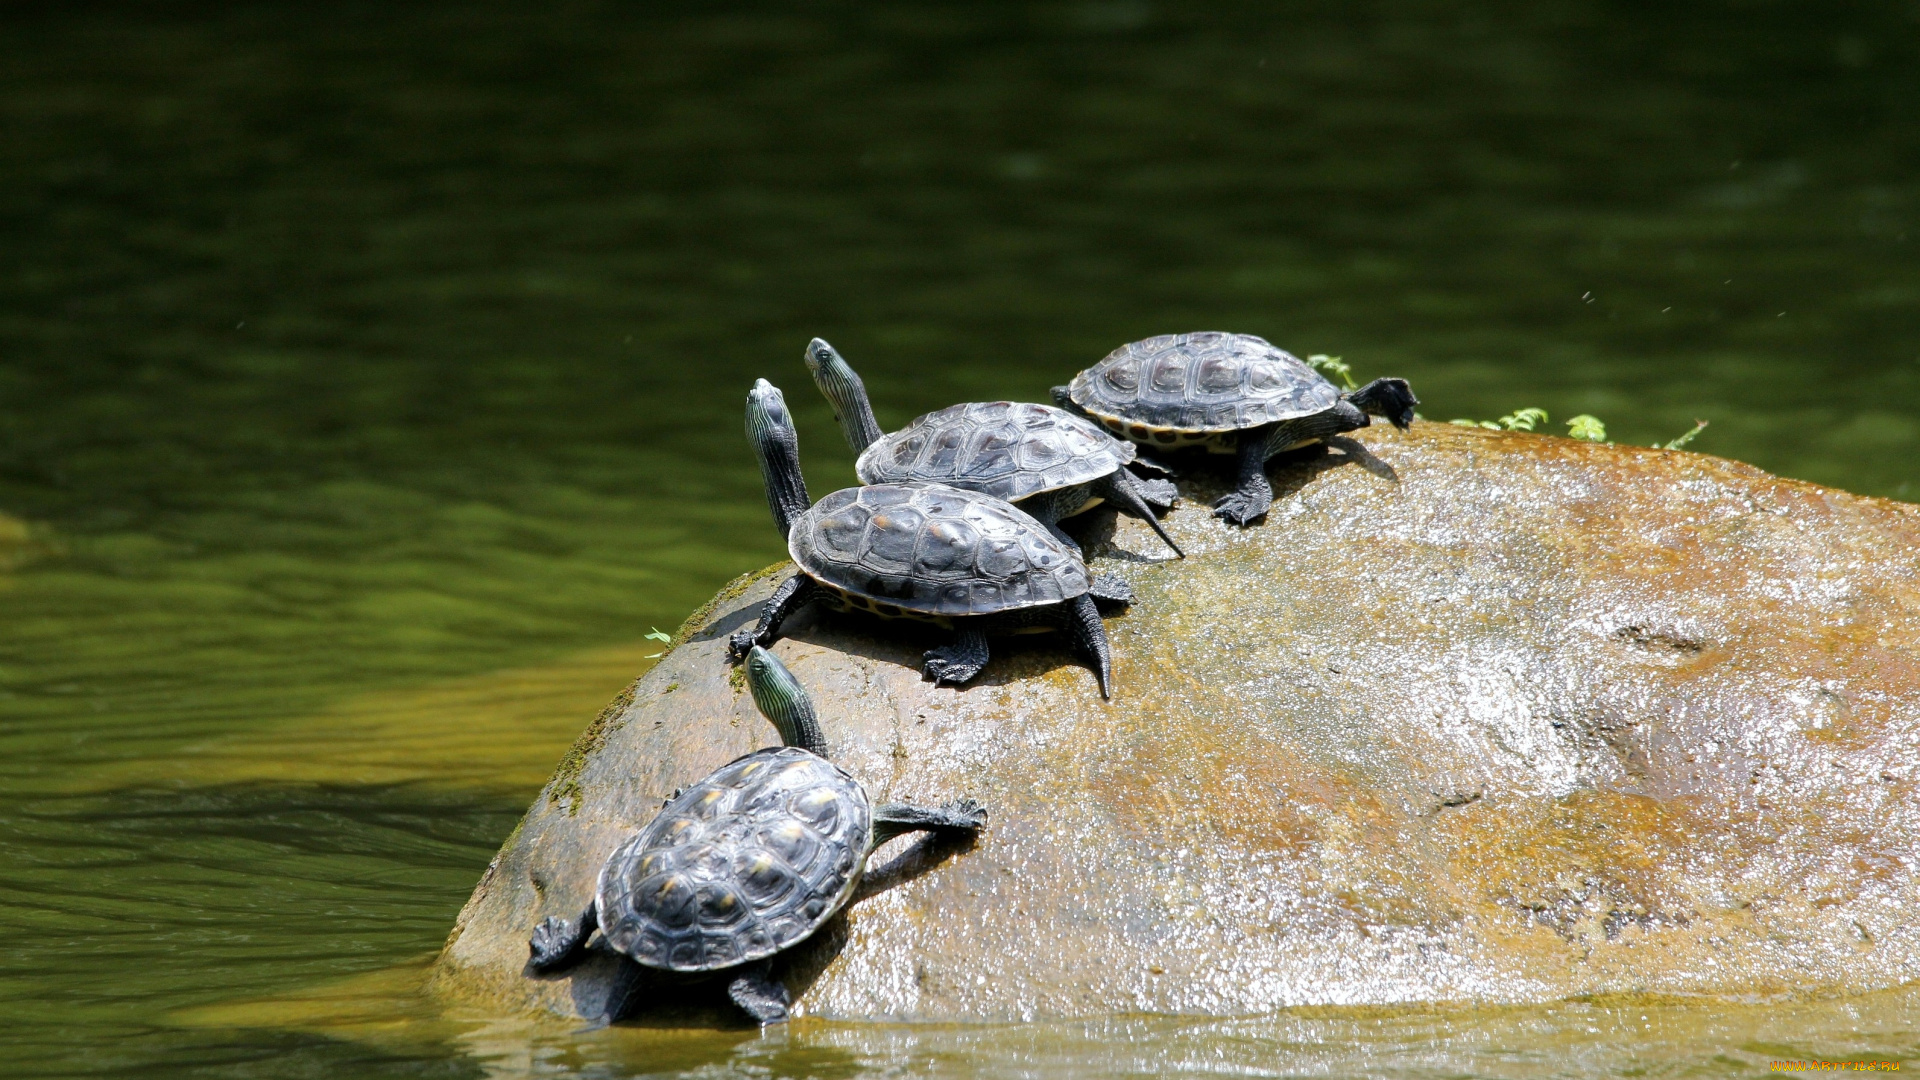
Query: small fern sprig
{"points": [[1332, 365], [1527, 419], [1587, 428], [1675, 444]]}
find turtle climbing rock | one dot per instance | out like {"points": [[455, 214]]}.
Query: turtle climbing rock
{"points": [[960, 559], [744, 864], [1047, 461], [1229, 394]]}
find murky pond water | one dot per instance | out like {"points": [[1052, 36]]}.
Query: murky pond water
{"points": [[370, 381]]}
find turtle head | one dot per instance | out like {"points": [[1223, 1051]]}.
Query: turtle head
{"points": [[782, 700], [770, 430], [1063, 398], [845, 392]]}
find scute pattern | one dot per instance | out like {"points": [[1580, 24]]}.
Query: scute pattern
{"points": [[745, 863], [1007, 449], [934, 549], [1156, 389]]}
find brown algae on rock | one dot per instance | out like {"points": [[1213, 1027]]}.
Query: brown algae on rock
{"points": [[1515, 719]]}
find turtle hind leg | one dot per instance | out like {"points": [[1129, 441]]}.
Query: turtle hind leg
{"points": [[793, 594], [955, 663], [1082, 623], [558, 944], [760, 995], [950, 818], [1252, 495], [1390, 398]]}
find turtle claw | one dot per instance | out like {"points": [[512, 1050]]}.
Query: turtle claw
{"points": [[965, 813], [1240, 508], [740, 644], [948, 671], [552, 942]]}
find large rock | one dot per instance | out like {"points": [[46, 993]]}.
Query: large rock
{"points": [[1533, 719]]}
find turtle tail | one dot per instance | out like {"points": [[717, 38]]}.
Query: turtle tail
{"points": [[1090, 639], [1124, 492]]}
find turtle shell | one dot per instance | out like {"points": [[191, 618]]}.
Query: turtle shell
{"points": [[1153, 390], [934, 550], [1006, 449], [745, 863]]}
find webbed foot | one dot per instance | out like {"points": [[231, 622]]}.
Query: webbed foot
{"points": [[742, 643], [551, 941], [1242, 508], [955, 664], [558, 942], [760, 996], [1159, 494], [1110, 592], [964, 814]]}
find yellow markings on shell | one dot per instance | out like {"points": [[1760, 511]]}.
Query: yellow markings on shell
{"points": [[792, 831], [726, 902], [761, 864], [815, 798], [882, 521], [679, 826], [751, 769], [666, 887], [711, 796]]}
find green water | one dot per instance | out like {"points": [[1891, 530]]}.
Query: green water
{"points": [[365, 366]]}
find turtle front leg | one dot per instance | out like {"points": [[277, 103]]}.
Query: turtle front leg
{"points": [[1159, 494], [954, 664], [760, 995], [959, 816], [1080, 618], [558, 944], [1252, 495], [793, 594]]}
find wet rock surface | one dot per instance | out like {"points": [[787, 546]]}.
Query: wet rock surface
{"points": [[1474, 717]]}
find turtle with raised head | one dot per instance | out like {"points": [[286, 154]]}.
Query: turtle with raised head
{"points": [[1229, 394], [963, 560], [1047, 461], [745, 863]]}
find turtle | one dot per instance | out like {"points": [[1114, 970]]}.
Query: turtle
{"points": [[1047, 461], [1230, 394], [963, 560], [744, 864]]}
